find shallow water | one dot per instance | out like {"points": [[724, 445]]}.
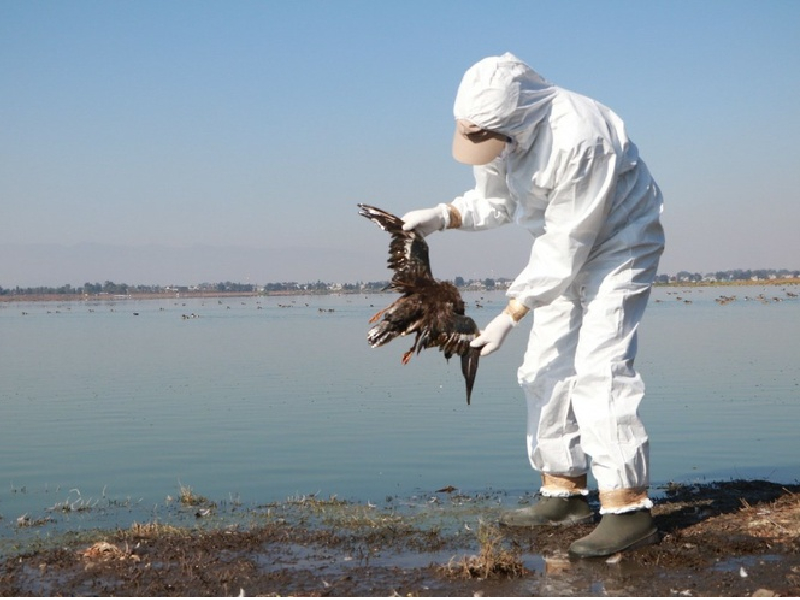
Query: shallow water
{"points": [[256, 400]]}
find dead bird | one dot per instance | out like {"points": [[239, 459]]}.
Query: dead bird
{"points": [[431, 310]]}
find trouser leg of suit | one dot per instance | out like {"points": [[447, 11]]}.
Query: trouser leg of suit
{"points": [[582, 390], [547, 376], [607, 389]]}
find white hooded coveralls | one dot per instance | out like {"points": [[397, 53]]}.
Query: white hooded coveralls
{"points": [[573, 179]]}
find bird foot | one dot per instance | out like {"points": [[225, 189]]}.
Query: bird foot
{"points": [[407, 356], [377, 315]]}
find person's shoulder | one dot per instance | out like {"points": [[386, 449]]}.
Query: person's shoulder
{"points": [[577, 119]]}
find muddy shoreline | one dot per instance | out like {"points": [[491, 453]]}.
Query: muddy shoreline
{"points": [[734, 538]]}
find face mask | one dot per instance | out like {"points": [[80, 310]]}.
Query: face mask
{"points": [[508, 150]]}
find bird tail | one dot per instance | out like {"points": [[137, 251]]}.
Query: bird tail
{"points": [[469, 367]]}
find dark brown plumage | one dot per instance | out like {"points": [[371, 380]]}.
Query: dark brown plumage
{"points": [[431, 310]]}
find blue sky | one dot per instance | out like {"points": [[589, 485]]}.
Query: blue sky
{"points": [[164, 142]]}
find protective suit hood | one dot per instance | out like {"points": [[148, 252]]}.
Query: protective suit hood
{"points": [[503, 94]]}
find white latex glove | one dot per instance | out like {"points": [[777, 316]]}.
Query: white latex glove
{"points": [[427, 220], [493, 335]]}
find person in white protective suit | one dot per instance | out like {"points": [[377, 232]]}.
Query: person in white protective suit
{"points": [[561, 165]]}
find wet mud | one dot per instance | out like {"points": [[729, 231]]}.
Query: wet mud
{"points": [[736, 538]]}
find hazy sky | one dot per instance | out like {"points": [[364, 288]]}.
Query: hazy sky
{"points": [[162, 142]]}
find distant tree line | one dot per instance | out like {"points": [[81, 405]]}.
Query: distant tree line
{"points": [[728, 276], [111, 288], [229, 286]]}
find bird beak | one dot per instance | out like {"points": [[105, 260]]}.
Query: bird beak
{"points": [[469, 367]]}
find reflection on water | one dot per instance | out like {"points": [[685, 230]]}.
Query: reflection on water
{"points": [[260, 399]]}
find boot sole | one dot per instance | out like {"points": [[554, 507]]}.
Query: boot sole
{"points": [[564, 523], [651, 538]]}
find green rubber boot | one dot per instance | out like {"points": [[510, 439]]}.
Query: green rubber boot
{"points": [[617, 532], [550, 510]]}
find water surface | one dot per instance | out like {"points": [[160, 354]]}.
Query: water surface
{"points": [[260, 399]]}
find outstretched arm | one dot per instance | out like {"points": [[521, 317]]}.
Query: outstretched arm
{"points": [[485, 206]]}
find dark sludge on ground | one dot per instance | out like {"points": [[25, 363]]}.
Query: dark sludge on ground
{"points": [[734, 538]]}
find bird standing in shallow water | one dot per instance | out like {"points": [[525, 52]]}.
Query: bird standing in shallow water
{"points": [[431, 310]]}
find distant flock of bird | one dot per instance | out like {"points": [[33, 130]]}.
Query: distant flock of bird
{"points": [[722, 300], [184, 316]]}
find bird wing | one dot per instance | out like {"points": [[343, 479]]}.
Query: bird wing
{"points": [[441, 327], [408, 251]]}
